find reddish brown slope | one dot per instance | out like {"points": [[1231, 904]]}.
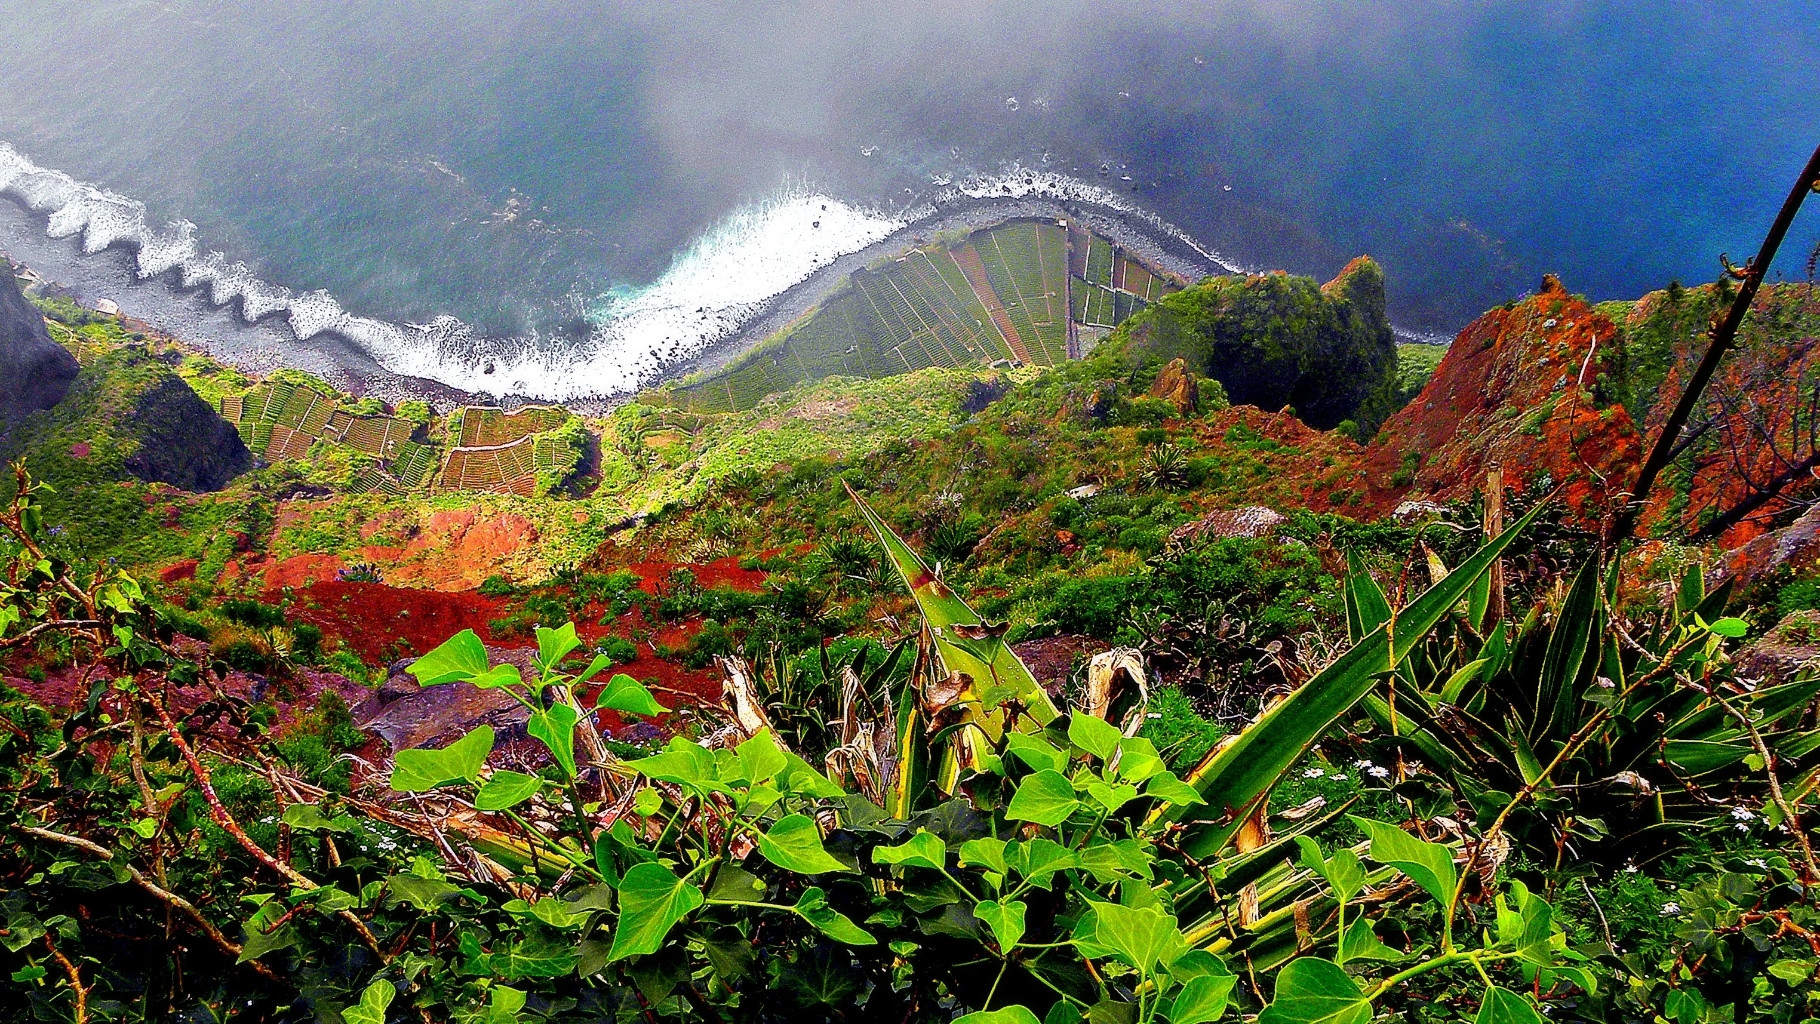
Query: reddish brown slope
{"points": [[1517, 388]]}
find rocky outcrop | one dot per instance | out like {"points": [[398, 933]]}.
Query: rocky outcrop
{"points": [[1519, 387], [1278, 341], [35, 372], [182, 441], [1178, 386]]}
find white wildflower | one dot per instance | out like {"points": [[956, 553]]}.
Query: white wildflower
{"points": [[1631, 869], [1313, 773], [1339, 777], [1743, 814], [1759, 863], [1377, 771], [1671, 908]]}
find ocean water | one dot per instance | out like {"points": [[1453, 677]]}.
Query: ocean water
{"points": [[569, 199]]}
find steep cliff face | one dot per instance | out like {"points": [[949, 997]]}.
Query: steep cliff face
{"points": [[1276, 340], [182, 442], [35, 372], [129, 415], [1521, 386]]}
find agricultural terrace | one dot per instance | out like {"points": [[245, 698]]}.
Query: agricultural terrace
{"points": [[1004, 296], [485, 426]]}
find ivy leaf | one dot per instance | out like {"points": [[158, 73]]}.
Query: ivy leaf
{"points": [[414, 771], [426, 894], [683, 761], [1002, 1015], [1107, 862], [1343, 871], [372, 1006], [1006, 921], [795, 844], [760, 758], [555, 727], [553, 645], [1143, 938], [261, 938], [537, 958], [503, 1006], [734, 884], [461, 656], [801, 778], [499, 677], [1036, 752], [1362, 943], [506, 789], [651, 900], [1111, 797], [1501, 1006], [1046, 798], [1530, 930], [1038, 859], [923, 850], [1729, 627], [1429, 865], [1093, 735], [1166, 787], [813, 907], [629, 696], [1202, 999], [1315, 991], [984, 853], [1138, 760]]}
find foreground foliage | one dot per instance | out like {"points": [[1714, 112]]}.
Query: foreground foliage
{"points": [[949, 843]]}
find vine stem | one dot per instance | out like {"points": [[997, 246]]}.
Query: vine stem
{"points": [[219, 812], [188, 909], [1791, 820]]}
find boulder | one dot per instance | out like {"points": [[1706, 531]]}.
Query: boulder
{"points": [[1178, 386], [1777, 656], [408, 716], [1249, 521], [35, 372]]}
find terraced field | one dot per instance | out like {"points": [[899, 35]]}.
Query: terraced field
{"points": [[1026, 263], [487, 426], [509, 469], [1005, 295]]}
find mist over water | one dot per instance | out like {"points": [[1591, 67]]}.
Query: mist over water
{"points": [[542, 172]]}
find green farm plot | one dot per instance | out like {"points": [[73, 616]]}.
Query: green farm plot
{"points": [[915, 312], [413, 463], [1094, 305], [1005, 295], [1026, 262], [1100, 263], [485, 426]]}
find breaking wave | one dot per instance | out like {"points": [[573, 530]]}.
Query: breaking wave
{"points": [[718, 285]]}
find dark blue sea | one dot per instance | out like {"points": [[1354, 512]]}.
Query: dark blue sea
{"points": [[585, 191]]}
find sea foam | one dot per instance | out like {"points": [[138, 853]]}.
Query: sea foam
{"points": [[712, 289]]}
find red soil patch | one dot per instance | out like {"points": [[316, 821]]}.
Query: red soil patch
{"points": [[382, 622], [184, 570]]}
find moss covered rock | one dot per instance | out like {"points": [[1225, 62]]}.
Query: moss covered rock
{"points": [[1277, 340]]}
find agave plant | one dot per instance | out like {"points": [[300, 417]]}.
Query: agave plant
{"points": [[1630, 729]]}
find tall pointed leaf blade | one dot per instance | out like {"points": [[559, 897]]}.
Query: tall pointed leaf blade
{"points": [[1571, 643], [1237, 775], [1366, 606], [943, 610]]}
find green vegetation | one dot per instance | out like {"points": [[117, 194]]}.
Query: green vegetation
{"points": [[1416, 364], [915, 829], [1277, 341]]}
